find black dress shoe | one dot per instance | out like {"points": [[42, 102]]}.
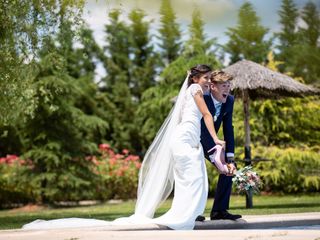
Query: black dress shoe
{"points": [[200, 218], [224, 215]]}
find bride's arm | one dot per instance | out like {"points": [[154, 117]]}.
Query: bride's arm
{"points": [[207, 117]]}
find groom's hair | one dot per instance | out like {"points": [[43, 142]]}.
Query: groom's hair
{"points": [[220, 76], [197, 71]]}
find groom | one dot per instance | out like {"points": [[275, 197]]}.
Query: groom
{"points": [[220, 105]]}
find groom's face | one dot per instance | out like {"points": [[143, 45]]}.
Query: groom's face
{"points": [[221, 90]]}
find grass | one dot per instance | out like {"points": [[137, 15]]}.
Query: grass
{"points": [[15, 218]]}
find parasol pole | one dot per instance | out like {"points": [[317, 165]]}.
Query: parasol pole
{"points": [[247, 150]]}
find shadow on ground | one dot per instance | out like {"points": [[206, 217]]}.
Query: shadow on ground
{"points": [[278, 206]]}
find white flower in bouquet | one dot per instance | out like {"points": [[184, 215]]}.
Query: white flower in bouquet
{"points": [[246, 180]]}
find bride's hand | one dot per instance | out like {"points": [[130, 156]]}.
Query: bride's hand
{"points": [[232, 170], [220, 142]]}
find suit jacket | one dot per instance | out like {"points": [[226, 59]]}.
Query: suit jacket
{"points": [[225, 117]]}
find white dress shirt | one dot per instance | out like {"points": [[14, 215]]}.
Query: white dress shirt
{"points": [[217, 106]]}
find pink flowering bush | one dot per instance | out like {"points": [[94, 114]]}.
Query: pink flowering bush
{"points": [[11, 189], [115, 175], [118, 173]]}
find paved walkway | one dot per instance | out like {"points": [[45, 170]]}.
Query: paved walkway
{"points": [[264, 221], [248, 228]]}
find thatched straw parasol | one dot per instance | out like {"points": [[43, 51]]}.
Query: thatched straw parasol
{"points": [[254, 81], [262, 82]]}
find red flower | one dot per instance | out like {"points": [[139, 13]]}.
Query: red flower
{"points": [[9, 159], [125, 151], [138, 165], [95, 161], [12, 157], [104, 146], [120, 172], [111, 153], [3, 160], [112, 161], [132, 158], [118, 156], [22, 162], [124, 168]]}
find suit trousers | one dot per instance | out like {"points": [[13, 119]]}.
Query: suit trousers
{"points": [[222, 194]]}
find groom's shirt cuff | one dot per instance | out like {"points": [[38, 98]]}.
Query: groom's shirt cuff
{"points": [[230, 157], [230, 154]]}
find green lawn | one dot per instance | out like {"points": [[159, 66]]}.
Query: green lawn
{"points": [[262, 205]]}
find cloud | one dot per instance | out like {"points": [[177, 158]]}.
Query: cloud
{"points": [[217, 14], [210, 9]]}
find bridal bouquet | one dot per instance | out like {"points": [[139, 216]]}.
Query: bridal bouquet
{"points": [[246, 179]]}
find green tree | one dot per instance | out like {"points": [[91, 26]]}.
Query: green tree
{"points": [[60, 136], [66, 127], [63, 44], [288, 19], [246, 40], [118, 83], [89, 53], [24, 24], [144, 59], [288, 36], [197, 43], [81, 63], [170, 33], [157, 101], [81, 60], [92, 100], [310, 15], [117, 61], [307, 51]]}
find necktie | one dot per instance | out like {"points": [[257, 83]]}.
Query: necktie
{"points": [[218, 109], [217, 106]]}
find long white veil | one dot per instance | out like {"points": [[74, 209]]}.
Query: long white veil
{"points": [[156, 174], [155, 179]]}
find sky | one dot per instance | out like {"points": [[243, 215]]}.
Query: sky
{"points": [[218, 15]]}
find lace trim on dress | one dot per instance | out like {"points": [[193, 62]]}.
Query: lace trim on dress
{"points": [[195, 89]]}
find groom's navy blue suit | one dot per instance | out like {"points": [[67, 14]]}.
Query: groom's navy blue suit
{"points": [[223, 190]]}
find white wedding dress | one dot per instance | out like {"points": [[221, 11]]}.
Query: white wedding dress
{"points": [[182, 161], [190, 174]]}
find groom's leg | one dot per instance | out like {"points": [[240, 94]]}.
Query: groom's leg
{"points": [[222, 194]]}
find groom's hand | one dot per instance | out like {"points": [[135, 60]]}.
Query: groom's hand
{"points": [[232, 166]]}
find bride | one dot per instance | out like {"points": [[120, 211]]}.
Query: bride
{"points": [[175, 157]]}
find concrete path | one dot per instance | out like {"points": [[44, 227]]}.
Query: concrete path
{"points": [[166, 235], [248, 228], [264, 221]]}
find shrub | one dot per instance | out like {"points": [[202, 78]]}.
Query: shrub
{"points": [[289, 170], [11, 191], [118, 173], [115, 175]]}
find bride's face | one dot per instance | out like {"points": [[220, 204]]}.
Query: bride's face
{"points": [[204, 81]]}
